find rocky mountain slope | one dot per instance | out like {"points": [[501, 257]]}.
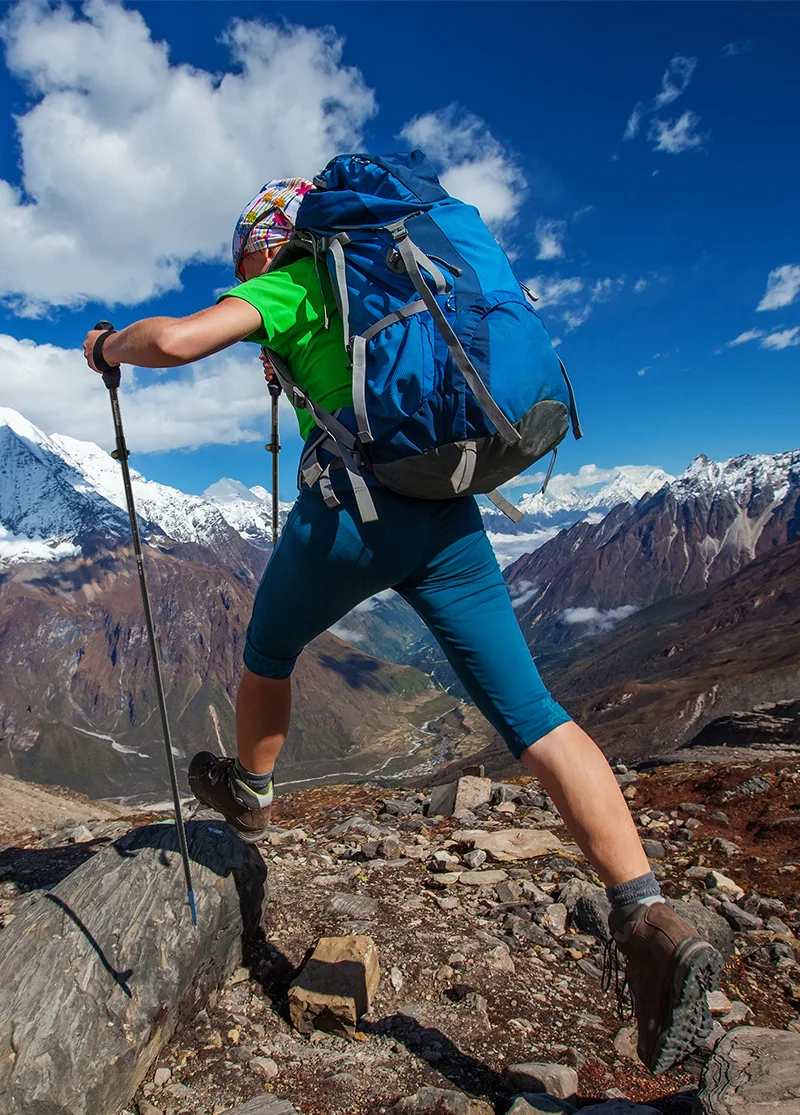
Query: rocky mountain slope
{"points": [[690, 535], [485, 965]]}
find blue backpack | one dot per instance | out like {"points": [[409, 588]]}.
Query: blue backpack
{"points": [[456, 385]]}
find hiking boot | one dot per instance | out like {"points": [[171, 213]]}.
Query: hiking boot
{"points": [[668, 969], [214, 783]]}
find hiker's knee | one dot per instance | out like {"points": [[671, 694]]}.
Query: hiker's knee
{"points": [[544, 715], [264, 666]]}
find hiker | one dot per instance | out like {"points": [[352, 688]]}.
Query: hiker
{"points": [[435, 554]]}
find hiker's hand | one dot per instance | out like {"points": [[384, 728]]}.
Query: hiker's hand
{"points": [[88, 348], [269, 371]]}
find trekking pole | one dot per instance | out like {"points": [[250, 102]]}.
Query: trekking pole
{"points": [[112, 380], [274, 447]]}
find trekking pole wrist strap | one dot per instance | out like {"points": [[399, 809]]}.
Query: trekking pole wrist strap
{"points": [[98, 359]]}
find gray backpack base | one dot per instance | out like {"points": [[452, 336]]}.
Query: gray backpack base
{"points": [[478, 466]]}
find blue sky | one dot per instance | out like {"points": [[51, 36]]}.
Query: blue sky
{"points": [[637, 160]]}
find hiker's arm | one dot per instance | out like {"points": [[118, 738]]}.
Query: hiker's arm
{"points": [[168, 342]]}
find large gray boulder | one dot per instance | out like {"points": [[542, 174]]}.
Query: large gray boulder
{"points": [[752, 1071], [97, 972]]}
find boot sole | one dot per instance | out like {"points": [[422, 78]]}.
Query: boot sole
{"points": [[698, 967]]}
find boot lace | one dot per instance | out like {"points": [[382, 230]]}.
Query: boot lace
{"points": [[614, 973], [220, 772]]}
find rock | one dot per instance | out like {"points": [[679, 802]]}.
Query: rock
{"points": [[506, 808], [708, 924], [752, 1071], [725, 847], [468, 793], [401, 808], [508, 892], [560, 1081], [739, 918], [442, 861], [504, 791], [718, 1003], [162, 1076], [739, 1012], [625, 1043], [554, 919], [336, 986], [449, 903], [474, 859], [389, 848], [358, 907], [484, 878], [721, 818], [539, 1103], [756, 785], [775, 925], [499, 958], [654, 849], [396, 978], [114, 943], [144, 1107], [590, 913], [265, 1067], [511, 845], [572, 890], [441, 1101], [80, 835]]}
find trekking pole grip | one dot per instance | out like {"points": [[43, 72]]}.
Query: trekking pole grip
{"points": [[113, 376]]}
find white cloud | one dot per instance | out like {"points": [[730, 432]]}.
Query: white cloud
{"points": [[741, 46], [574, 319], [783, 286], [521, 592], [675, 81], [743, 338], [676, 136], [342, 631], [785, 338], [554, 291], [640, 285], [643, 371], [220, 400], [474, 166], [550, 236], [597, 620], [133, 166], [604, 289]]}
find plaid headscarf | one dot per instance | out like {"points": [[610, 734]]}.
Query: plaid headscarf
{"points": [[269, 218]]}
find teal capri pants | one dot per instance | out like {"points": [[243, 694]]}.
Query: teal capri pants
{"points": [[436, 555]]}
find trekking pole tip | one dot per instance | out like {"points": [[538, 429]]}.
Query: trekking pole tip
{"points": [[193, 907]]}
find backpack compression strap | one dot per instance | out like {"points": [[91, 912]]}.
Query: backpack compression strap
{"points": [[346, 445], [412, 257]]}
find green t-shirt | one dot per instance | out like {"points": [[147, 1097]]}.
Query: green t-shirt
{"points": [[293, 324]]}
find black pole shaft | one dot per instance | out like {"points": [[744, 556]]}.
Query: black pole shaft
{"points": [[112, 381], [122, 453], [275, 451]]}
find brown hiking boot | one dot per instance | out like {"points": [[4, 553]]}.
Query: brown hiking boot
{"points": [[668, 968], [214, 783]]}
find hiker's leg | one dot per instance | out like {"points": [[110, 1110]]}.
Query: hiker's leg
{"points": [[326, 563], [263, 712], [575, 773], [462, 597]]}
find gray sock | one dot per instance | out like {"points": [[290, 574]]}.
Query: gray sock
{"points": [[260, 783], [644, 888]]}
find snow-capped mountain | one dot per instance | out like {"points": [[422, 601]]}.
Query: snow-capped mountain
{"points": [[568, 500], [57, 493], [247, 510]]}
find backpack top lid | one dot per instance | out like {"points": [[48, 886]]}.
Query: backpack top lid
{"points": [[362, 191]]}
